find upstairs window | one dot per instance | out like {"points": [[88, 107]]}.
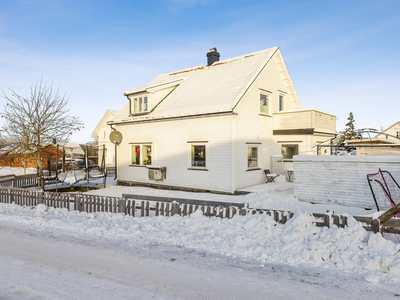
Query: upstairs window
{"points": [[264, 103], [398, 134], [140, 104], [281, 102]]}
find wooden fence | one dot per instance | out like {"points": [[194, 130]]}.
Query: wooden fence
{"points": [[143, 208], [23, 181]]}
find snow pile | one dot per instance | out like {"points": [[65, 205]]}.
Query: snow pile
{"points": [[256, 237], [267, 197]]}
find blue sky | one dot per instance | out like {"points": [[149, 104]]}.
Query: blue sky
{"points": [[343, 56]]}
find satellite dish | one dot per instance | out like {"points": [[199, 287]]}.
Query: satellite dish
{"points": [[116, 137]]}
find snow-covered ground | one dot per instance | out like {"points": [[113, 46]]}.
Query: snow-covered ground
{"points": [[49, 253]]}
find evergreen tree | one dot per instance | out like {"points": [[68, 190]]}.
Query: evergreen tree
{"points": [[350, 133]]}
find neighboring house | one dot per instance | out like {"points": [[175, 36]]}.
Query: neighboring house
{"points": [[102, 134], [49, 154], [215, 127], [385, 143]]}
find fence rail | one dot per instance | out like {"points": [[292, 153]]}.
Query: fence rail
{"points": [[143, 208]]}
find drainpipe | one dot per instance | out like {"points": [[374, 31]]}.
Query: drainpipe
{"points": [[115, 145]]}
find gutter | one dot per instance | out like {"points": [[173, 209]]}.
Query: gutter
{"points": [[226, 113]]}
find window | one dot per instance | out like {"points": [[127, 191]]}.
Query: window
{"points": [[252, 157], [398, 134], [140, 104], [281, 102], [264, 108], [288, 151], [198, 156], [141, 155]]}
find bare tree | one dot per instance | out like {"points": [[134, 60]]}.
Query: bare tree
{"points": [[34, 121]]}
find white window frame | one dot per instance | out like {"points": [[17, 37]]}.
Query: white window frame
{"points": [[137, 106], [290, 144], [141, 145], [269, 97], [250, 146], [192, 144], [281, 102]]}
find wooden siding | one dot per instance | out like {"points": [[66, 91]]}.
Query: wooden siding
{"points": [[251, 127], [339, 180], [170, 148], [301, 119]]}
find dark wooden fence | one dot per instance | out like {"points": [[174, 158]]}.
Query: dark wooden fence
{"points": [[146, 208]]}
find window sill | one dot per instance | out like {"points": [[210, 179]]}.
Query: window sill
{"points": [[253, 169], [265, 115], [198, 169], [138, 166]]}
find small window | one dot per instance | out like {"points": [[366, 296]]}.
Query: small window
{"points": [[281, 102], [264, 107], [288, 151], [141, 155], [198, 156], [252, 157], [398, 134], [140, 104]]}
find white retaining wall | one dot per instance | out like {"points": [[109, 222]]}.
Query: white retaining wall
{"points": [[339, 179]]}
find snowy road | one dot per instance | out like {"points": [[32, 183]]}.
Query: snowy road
{"points": [[38, 265]]}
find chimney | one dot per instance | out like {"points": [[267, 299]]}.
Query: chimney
{"points": [[212, 56]]}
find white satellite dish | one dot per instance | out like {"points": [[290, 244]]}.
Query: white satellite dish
{"points": [[116, 137]]}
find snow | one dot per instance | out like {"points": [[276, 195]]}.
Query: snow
{"points": [[352, 254]]}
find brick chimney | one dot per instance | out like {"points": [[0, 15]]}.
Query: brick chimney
{"points": [[212, 56]]}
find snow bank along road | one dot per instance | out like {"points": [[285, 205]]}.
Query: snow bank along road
{"points": [[55, 254]]}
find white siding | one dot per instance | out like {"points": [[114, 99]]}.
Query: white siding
{"points": [[339, 179], [104, 139], [251, 127], [171, 149]]}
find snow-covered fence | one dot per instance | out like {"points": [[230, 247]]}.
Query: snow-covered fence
{"points": [[30, 180], [25, 181], [339, 180], [92, 203], [7, 180]]}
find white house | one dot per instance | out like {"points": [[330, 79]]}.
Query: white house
{"points": [[102, 133], [215, 127]]}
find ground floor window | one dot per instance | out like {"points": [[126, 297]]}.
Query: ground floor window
{"points": [[141, 155], [198, 156], [252, 157], [288, 151]]}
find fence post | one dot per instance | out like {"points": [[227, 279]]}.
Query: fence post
{"points": [[122, 206], [376, 225], [40, 197], [77, 204], [328, 218]]}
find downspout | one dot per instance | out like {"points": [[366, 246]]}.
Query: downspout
{"points": [[115, 151], [130, 107]]}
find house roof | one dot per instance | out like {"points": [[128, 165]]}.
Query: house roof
{"points": [[107, 115], [204, 89]]}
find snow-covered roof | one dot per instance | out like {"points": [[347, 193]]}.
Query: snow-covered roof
{"points": [[203, 89]]}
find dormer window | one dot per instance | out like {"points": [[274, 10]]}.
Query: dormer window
{"points": [[140, 104]]}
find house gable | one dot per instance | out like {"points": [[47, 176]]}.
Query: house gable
{"points": [[103, 122]]}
